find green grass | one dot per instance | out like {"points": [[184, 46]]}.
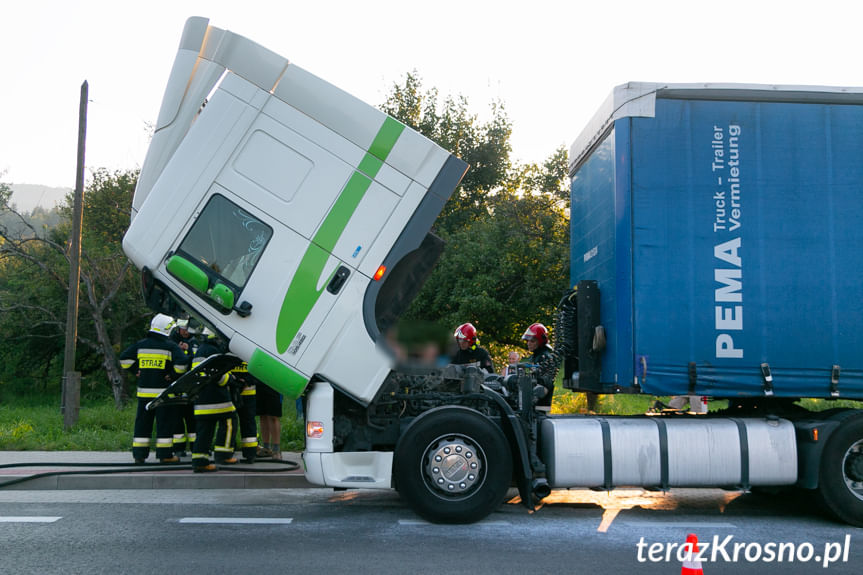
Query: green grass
{"points": [[566, 401], [29, 423], [822, 404]]}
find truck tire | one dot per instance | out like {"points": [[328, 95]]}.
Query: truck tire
{"points": [[840, 482], [452, 465]]}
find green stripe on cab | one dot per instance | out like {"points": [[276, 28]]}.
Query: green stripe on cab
{"points": [[303, 293]]}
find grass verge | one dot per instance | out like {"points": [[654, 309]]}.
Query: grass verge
{"points": [[30, 423]]}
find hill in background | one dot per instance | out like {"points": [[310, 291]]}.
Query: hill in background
{"points": [[28, 196]]}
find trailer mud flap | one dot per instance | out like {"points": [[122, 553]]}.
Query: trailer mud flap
{"points": [[584, 338], [587, 303]]}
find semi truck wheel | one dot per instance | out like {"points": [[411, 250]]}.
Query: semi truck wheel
{"points": [[453, 465], [840, 484]]}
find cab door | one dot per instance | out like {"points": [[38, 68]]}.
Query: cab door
{"points": [[260, 250]]}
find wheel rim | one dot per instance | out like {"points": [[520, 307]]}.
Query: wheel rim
{"points": [[852, 469], [453, 466]]}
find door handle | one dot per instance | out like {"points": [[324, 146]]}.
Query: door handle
{"points": [[338, 280]]}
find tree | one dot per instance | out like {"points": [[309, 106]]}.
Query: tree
{"points": [[29, 294], [506, 264], [485, 146], [507, 270], [33, 291]]}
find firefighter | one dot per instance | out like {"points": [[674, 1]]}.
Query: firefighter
{"points": [[246, 411], [157, 361], [469, 352], [215, 415], [536, 336], [184, 434]]}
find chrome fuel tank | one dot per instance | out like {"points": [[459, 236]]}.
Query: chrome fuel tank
{"points": [[662, 452]]}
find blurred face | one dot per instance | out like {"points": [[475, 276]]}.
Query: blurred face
{"points": [[532, 343], [513, 357], [462, 343]]}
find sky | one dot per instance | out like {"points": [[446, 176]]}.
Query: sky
{"points": [[551, 63]]}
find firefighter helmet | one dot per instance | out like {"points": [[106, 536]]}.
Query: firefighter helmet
{"points": [[162, 324], [467, 332], [538, 332]]}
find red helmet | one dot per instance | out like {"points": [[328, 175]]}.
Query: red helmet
{"points": [[538, 332], [466, 331]]}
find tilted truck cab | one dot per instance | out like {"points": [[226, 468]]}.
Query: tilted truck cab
{"points": [[294, 220], [279, 208]]}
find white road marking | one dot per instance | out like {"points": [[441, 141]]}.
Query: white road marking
{"points": [[481, 523], [32, 519], [243, 520], [687, 524]]}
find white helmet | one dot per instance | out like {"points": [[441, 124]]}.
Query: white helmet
{"points": [[162, 324]]}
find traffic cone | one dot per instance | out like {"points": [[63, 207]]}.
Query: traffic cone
{"points": [[690, 565]]}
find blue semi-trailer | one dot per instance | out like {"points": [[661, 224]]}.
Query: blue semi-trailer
{"points": [[722, 226], [715, 252]]}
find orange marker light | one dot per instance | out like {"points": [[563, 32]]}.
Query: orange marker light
{"points": [[314, 429], [380, 273], [815, 434]]}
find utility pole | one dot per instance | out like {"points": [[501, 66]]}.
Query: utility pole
{"points": [[71, 378]]}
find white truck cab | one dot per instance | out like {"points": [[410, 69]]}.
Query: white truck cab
{"points": [[276, 208]]}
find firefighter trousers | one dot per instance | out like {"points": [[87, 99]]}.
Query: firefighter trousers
{"points": [[165, 420], [222, 426], [248, 426], [184, 434]]}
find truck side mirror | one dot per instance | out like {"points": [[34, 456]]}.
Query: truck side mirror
{"points": [[188, 273], [197, 279], [223, 295]]}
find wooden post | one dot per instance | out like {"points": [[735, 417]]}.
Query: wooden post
{"points": [[72, 383], [71, 378]]}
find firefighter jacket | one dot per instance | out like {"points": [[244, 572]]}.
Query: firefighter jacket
{"points": [[546, 369], [215, 398], [246, 380], [158, 362], [474, 355]]}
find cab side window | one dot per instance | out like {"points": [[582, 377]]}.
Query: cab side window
{"points": [[218, 255], [226, 240]]}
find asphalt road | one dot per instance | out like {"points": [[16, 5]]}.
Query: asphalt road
{"points": [[325, 532]]}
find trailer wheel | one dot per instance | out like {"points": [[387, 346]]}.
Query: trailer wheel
{"points": [[841, 472], [453, 465]]}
